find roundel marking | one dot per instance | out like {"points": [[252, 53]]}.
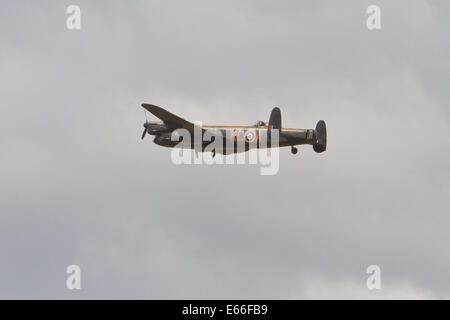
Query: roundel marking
{"points": [[250, 136]]}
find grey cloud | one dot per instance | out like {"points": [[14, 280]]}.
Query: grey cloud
{"points": [[79, 187]]}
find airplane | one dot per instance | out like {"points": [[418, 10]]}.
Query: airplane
{"points": [[248, 136]]}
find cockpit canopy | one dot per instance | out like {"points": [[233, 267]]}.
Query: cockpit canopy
{"points": [[259, 123]]}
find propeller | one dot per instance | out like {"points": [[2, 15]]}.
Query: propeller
{"points": [[144, 133], [145, 126]]}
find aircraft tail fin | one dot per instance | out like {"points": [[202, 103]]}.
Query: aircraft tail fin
{"points": [[275, 119], [321, 130]]}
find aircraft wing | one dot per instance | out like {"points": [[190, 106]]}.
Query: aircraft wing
{"points": [[169, 118]]}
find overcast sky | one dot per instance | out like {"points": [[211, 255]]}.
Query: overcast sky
{"points": [[78, 186]]}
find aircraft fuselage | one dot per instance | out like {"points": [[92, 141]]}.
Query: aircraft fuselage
{"points": [[249, 136]]}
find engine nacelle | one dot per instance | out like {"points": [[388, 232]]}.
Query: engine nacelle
{"points": [[158, 128]]}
